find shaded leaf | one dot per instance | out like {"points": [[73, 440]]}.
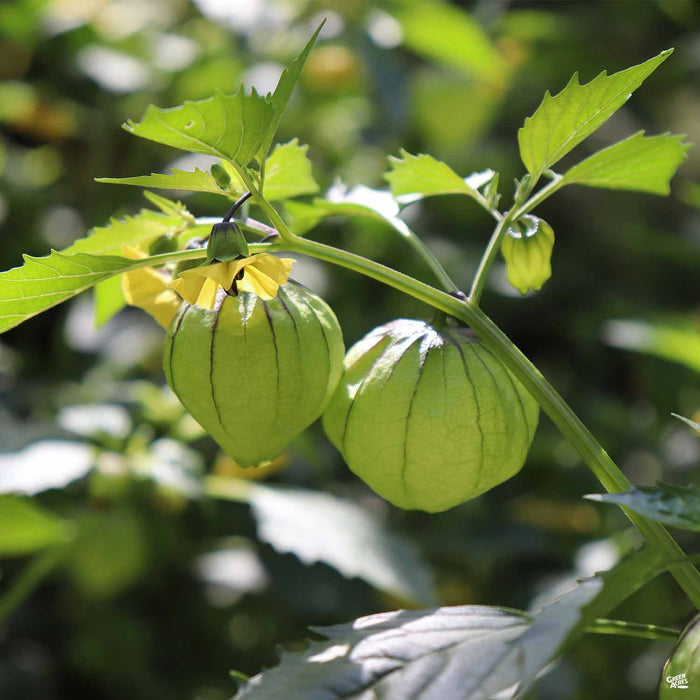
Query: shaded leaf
{"points": [[443, 32], [470, 652], [26, 528], [671, 504], [642, 163], [233, 127], [43, 465], [316, 527], [675, 340], [288, 172], [414, 177], [561, 122]]}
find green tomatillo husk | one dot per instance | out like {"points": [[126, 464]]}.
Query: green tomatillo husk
{"points": [[428, 416], [527, 250], [254, 373]]}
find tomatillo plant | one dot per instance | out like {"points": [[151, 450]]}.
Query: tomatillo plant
{"points": [[429, 414]]}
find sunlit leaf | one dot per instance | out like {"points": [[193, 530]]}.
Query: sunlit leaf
{"points": [[288, 172], [471, 652], [673, 505], [316, 526], [191, 181], [414, 177], [26, 528], [44, 282], [226, 126], [678, 341], [642, 163], [146, 226], [561, 122]]}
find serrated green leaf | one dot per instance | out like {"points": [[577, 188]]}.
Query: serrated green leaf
{"points": [[673, 505], [44, 282], [283, 91], [145, 226], [561, 122], [642, 163], [168, 206], [26, 528], [109, 300], [288, 172], [190, 181], [233, 127], [471, 652], [414, 177]]}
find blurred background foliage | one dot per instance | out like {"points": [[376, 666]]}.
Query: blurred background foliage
{"points": [[146, 587]]}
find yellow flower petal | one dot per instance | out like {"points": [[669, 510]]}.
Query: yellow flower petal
{"points": [[207, 295], [148, 290], [263, 275]]}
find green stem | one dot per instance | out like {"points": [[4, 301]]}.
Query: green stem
{"points": [[489, 257], [424, 251], [633, 629]]}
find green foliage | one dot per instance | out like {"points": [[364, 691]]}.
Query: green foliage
{"points": [[191, 181], [27, 528], [674, 340], [442, 32], [413, 177], [239, 127], [288, 172], [642, 163], [321, 527], [42, 283], [561, 122], [470, 651], [234, 127], [673, 505]]}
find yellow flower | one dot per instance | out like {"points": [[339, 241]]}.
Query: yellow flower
{"points": [[148, 289], [262, 274]]}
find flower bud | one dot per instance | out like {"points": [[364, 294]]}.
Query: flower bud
{"points": [[527, 249], [429, 417], [226, 242], [254, 373]]}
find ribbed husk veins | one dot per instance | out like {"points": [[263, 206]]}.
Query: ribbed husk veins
{"points": [[429, 418], [255, 373]]}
